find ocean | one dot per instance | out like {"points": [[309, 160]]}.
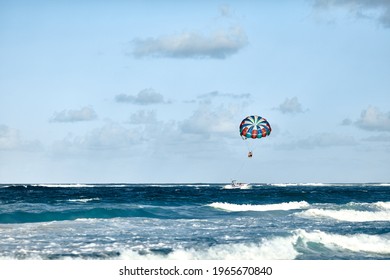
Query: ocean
{"points": [[195, 222]]}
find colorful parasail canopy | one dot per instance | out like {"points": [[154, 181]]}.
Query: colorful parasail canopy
{"points": [[254, 127]]}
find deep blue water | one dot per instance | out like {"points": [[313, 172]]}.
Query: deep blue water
{"points": [[195, 221]]}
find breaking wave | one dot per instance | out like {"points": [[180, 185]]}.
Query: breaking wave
{"points": [[276, 248], [292, 246], [84, 200], [377, 244], [378, 211], [63, 185], [301, 184], [285, 206]]}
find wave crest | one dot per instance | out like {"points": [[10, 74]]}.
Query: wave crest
{"points": [[379, 244], [84, 200], [276, 248], [285, 206], [378, 211]]}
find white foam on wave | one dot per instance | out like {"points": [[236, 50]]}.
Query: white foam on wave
{"points": [[63, 185], [374, 206], [84, 200], [381, 212], [285, 206], [278, 248], [284, 184], [379, 244], [383, 205], [301, 184], [347, 215], [272, 248]]}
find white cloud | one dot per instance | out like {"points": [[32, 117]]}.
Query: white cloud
{"points": [[210, 96], [290, 106], [83, 114], [220, 45], [377, 9], [11, 139], [373, 119], [143, 117], [144, 97], [111, 137], [208, 122], [214, 94]]}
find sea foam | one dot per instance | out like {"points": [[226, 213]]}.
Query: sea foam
{"points": [[285, 206], [84, 200], [278, 248], [379, 244], [274, 248], [379, 211]]}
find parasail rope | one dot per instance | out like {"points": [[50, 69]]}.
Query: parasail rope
{"points": [[242, 166]]}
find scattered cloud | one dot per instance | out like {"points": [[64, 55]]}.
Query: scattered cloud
{"points": [[320, 140], [208, 97], [11, 139], [207, 121], [346, 122], [143, 117], [109, 137], [225, 10], [146, 96], [376, 9], [214, 94], [219, 45], [290, 106], [373, 119], [83, 114]]}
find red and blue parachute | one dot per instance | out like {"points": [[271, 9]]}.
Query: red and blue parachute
{"points": [[254, 127]]}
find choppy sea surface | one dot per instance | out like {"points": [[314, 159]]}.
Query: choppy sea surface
{"points": [[195, 221]]}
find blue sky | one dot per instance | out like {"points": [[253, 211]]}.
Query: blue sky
{"points": [[154, 91]]}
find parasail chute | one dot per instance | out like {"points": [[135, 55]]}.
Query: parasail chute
{"points": [[254, 127]]}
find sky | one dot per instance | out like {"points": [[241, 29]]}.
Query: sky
{"points": [[154, 91]]}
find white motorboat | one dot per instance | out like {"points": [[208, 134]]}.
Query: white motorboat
{"points": [[237, 185]]}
